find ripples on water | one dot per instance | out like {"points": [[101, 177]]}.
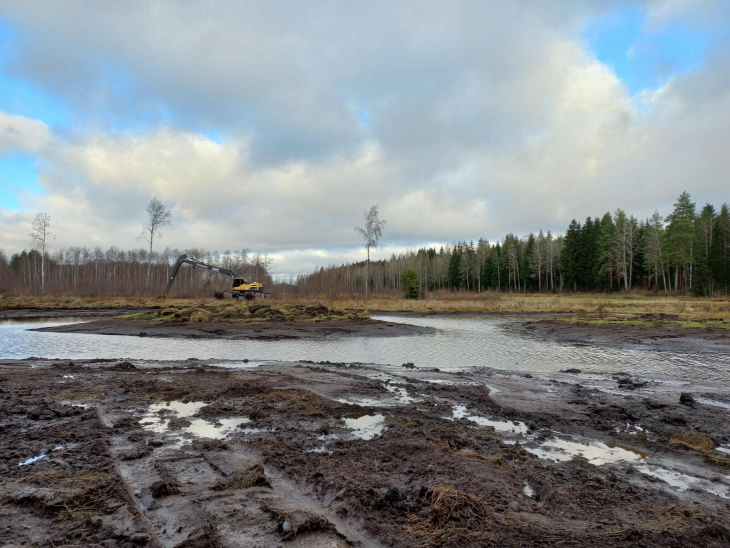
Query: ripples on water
{"points": [[459, 342]]}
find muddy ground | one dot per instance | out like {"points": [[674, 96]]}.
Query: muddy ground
{"points": [[624, 335], [35, 313], [195, 454], [361, 327]]}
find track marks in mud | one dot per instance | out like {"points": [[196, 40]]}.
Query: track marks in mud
{"points": [[427, 478]]}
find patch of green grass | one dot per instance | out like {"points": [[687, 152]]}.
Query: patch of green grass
{"points": [[648, 321], [245, 313]]}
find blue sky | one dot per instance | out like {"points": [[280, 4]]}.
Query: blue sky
{"points": [[18, 175], [643, 56]]}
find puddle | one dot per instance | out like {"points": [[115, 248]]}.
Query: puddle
{"points": [[714, 403], [629, 428], [684, 482], [31, 460], [222, 428], [399, 397], [401, 394], [321, 449], [158, 416], [501, 426], [241, 364], [365, 427], [528, 490], [597, 453]]}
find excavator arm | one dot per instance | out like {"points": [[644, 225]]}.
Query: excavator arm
{"points": [[182, 259]]}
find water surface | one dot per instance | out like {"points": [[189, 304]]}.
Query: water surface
{"points": [[459, 342]]}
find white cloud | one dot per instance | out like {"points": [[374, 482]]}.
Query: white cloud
{"points": [[21, 134], [485, 118]]}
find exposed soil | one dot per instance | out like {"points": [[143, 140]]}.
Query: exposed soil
{"points": [[191, 454], [35, 313], [363, 327], [653, 337]]}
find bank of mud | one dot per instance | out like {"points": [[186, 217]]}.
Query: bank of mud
{"points": [[197, 453], [630, 335], [363, 327]]}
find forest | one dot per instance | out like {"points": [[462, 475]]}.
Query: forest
{"points": [[686, 252], [80, 271]]}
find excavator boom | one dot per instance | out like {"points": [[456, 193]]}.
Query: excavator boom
{"points": [[239, 287]]}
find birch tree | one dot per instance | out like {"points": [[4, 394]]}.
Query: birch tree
{"points": [[372, 233], [157, 216], [39, 235]]}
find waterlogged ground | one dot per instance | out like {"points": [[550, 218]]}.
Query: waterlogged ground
{"points": [[222, 453]]}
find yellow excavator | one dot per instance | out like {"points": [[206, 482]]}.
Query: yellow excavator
{"points": [[240, 287]]}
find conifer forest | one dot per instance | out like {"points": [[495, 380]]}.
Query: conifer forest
{"points": [[685, 252]]}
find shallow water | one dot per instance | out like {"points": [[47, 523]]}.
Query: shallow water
{"points": [[459, 342], [365, 427], [158, 416]]}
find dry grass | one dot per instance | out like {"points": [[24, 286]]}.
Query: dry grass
{"points": [[244, 313], [701, 309], [704, 310], [252, 476], [494, 459], [454, 518], [694, 440], [300, 401]]}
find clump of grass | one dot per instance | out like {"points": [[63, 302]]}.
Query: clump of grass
{"points": [[299, 401], [697, 441], [254, 476], [200, 316], [454, 518], [246, 313], [450, 504]]}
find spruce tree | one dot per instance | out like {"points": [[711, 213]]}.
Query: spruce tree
{"points": [[680, 242]]}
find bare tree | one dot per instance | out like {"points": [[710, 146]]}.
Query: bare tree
{"points": [[39, 234], [372, 233], [158, 216]]}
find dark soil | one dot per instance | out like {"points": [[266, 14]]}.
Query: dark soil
{"points": [[233, 330], [653, 337], [296, 475]]}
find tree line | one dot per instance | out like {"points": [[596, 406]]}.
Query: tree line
{"points": [[686, 252], [80, 271]]}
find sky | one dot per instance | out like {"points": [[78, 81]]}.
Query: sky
{"points": [[275, 125]]}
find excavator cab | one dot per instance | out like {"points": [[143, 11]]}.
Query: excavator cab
{"points": [[238, 282]]}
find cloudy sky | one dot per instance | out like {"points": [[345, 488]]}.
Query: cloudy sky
{"points": [[274, 125]]}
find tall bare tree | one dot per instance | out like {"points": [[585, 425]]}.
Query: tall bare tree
{"points": [[157, 216], [39, 234], [372, 233]]}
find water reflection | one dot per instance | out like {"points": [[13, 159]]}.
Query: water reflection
{"points": [[459, 342]]}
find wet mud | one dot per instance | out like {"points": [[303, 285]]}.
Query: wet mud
{"points": [[361, 327], [617, 335], [198, 453]]}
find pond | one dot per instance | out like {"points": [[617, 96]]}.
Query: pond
{"points": [[458, 342]]}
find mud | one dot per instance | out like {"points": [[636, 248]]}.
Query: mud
{"points": [[231, 330], [146, 454], [37, 313], [617, 335]]}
